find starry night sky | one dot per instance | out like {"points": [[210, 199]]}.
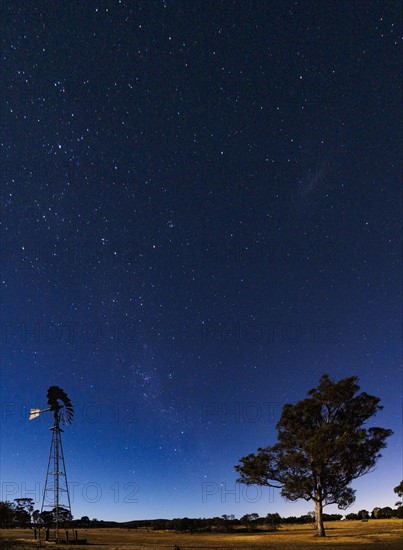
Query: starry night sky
{"points": [[200, 217]]}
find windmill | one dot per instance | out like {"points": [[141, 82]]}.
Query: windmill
{"points": [[56, 480]]}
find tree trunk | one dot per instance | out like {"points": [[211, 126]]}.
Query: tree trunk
{"points": [[320, 530]]}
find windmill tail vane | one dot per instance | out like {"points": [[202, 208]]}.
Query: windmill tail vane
{"points": [[34, 413]]}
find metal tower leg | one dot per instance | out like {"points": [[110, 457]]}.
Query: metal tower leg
{"points": [[57, 488]]}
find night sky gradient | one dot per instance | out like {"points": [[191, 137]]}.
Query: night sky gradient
{"points": [[200, 217]]}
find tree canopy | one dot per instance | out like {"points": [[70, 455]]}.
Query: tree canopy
{"points": [[399, 489], [322, 447]]}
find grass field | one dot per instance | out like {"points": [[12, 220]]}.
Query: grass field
{"points": [[378, 534]]}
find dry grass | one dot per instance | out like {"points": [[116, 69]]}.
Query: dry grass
{"points": [[381, 534]]}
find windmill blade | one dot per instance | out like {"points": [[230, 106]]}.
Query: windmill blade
{"points": [[59, 402]]}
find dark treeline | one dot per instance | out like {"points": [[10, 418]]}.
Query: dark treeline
{"points": [[21, 513]]}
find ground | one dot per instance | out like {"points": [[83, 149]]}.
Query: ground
{"points": [[381, 534]]}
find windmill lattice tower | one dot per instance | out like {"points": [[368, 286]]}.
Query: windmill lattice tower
{"points": [[56, 491]]}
